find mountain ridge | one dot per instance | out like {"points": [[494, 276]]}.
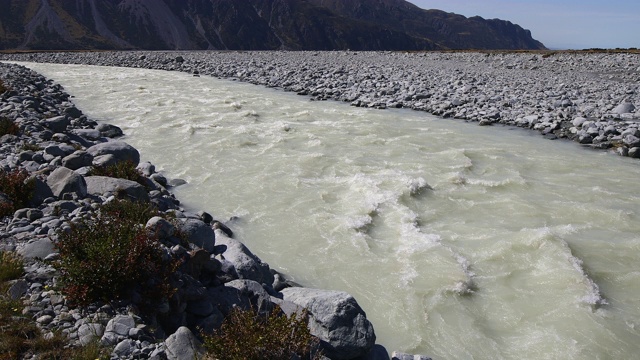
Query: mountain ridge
{"points": [[248, 25]]}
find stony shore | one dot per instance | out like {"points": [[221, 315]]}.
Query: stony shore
{"points": [[591, 98], [58, 146]]}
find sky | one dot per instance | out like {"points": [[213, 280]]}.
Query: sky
{"points": [[559, 24]]}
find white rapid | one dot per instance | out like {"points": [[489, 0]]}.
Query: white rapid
{"points": [[459, 241]]}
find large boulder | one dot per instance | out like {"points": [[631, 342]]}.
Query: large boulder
{"points": [[183, 345], [624, 108], [337, 320], [198, 233], [99, 185], [65, 181], [247, 265], [77, 160], [57, 124], [120, 150]]}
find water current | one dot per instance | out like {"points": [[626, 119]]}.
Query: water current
{"points": [[459, 241]]}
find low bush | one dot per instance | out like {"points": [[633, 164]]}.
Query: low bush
{"points": [[18, 188], [8, 127], [247, 335], [111, 256], [122, 170], [11, 266], [21, 337]]}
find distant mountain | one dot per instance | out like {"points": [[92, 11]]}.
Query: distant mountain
{"points": [[248, 25]]}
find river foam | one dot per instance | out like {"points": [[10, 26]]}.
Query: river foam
{"points": [[458, 241]]}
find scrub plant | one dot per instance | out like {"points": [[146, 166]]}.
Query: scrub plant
{"points": [[122, 170], [18, 188], [21, 337], [8, 127], [249, 335], [110, 256]]}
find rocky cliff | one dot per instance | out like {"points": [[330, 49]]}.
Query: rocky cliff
{"points": [[248, 25]]}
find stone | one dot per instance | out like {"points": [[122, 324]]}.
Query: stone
{"points": [[624, 108], [108, 130], [119, 149], [57, 124], [39, 248], [89, 332], [402, 356], [246, 264], [257, 295], [99, 185], [183, 345], [120, 325], [125, 348], [17, 289], [77, 160], [104, 160], [146, 168], [577, 122], [337, 320], [198, 233], [634, 152], [42, 192], [91, 134], [160, 227], [65, 181]]}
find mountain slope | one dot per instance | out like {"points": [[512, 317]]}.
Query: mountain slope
{"points": [[248, 25]]}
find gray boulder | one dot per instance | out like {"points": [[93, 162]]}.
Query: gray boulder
{"points": [[624, 108], [120, 150], [198, 233], [337, 320], [257, 295], [64, 181], [89, 332], [42, 191], [160, 227], [99, 185], [108, 130], [183, 345], [77, 160], [246, 264], [39, 248], [57, 124]]}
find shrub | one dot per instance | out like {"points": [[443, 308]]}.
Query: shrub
{"points": [[247, 335], [18, 188], [3, 88], [8, 127], [123, 170], [111, 255], [11, 266], [21, 337]]}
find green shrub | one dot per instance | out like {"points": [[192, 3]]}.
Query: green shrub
{"points": [[18, 188], [122, 170], [111, 255], [8, 127], [11, 266], [247, 335]]}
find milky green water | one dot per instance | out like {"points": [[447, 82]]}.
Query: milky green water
{"points": [[459, 241]]}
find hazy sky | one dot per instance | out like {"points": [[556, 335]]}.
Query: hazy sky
{"points": [[559, 24]]}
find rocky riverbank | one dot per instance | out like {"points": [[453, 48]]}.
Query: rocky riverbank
{"points": [[58, 146], [590, 98]]}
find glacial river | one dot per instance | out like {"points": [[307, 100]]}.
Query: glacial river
{"points": [[459, 241]]}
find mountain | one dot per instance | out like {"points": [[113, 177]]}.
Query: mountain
{"points": [[248, 25]]}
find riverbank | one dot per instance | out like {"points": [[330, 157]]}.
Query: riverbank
{"points": [[590, 98], [57, 146]]}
